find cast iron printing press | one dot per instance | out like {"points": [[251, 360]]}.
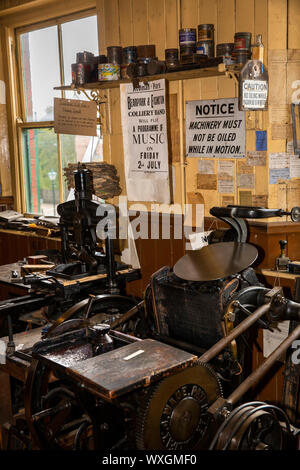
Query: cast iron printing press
{"points": [[82, 268], [185, 385]]}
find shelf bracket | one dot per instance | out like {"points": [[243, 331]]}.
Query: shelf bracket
{"points": [[231, 74], [98, 97]]}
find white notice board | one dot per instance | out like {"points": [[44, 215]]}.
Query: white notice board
{"points": [[215, 128], [145, 141]]}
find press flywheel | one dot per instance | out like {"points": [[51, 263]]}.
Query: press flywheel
{"points": [[173, 414]]}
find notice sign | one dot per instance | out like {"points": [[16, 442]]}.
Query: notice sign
{"points": [[215, 128], [76, 117], [144, 124]]}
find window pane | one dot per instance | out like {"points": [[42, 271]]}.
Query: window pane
{"points": [[41, 170], [78, 36], [76, 148], [40, 61]]}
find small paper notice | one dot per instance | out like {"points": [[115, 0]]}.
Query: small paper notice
{"points": [[226, 177], [75, 117], [260, 200], [246, 181], [256, 158], [207, 167], [206, 182], [245, 198]]}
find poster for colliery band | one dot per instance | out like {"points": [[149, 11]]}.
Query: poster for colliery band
{"points": [[145, 142], [215, 128]]}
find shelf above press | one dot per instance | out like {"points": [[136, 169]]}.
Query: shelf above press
{"points": [[221, 70]]}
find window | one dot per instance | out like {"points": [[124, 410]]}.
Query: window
{"points": [[46, 55]]}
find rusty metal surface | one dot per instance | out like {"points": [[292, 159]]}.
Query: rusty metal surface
{"points": [[136, 365], [215, 261]]}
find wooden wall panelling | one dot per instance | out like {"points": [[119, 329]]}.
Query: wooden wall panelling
{"points": [[125, 22], [172, 23], [293, 24], [140, 22], [191, 90], [245, 16], [277, 30], [226, 20], [156, 21]]}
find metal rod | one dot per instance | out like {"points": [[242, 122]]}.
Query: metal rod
{"points": [[238, 330], [255, 377], [126, 316]]}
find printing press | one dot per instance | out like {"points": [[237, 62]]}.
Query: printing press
{"points": [[82, 268], [183, 383]]}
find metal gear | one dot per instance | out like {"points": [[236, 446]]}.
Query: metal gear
{"points": [[173, 414]]}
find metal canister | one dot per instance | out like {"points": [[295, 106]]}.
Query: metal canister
{"points": [[81, 73], [108, 72], [206, 32], [148, 51], [242, 41], [206, 48], [241, 56], [129, 54], [85, 56], [114, 55], [171, 57], [224, 49], [187, 51], [187, 37]]}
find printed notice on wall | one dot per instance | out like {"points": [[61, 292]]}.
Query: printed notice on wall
{"points": [[143, 112], [215, 128], [225, 176], [76, 117]]}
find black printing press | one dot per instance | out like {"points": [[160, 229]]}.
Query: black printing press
{"points": [[186, 384]]}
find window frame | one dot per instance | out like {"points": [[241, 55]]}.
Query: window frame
{"points": [[21, 122]]}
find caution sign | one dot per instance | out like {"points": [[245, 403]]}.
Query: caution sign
{"points": [[215, 128], [255, 94]]}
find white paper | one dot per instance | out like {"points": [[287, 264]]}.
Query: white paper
{"points": [[290, 146], [225, 168], [199, 240], [130, 255], [2, 92], [215, 128], [277, 161], [144, 124], [273, 339], [207, 167], [245, 181], [294, 166], [226, 187], [2, 352]]}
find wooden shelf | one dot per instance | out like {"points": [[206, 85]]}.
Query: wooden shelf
{"points": [[216, 71]]}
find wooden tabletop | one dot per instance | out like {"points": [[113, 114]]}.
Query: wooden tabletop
{"points": [[279, 274], [124, 369]]}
